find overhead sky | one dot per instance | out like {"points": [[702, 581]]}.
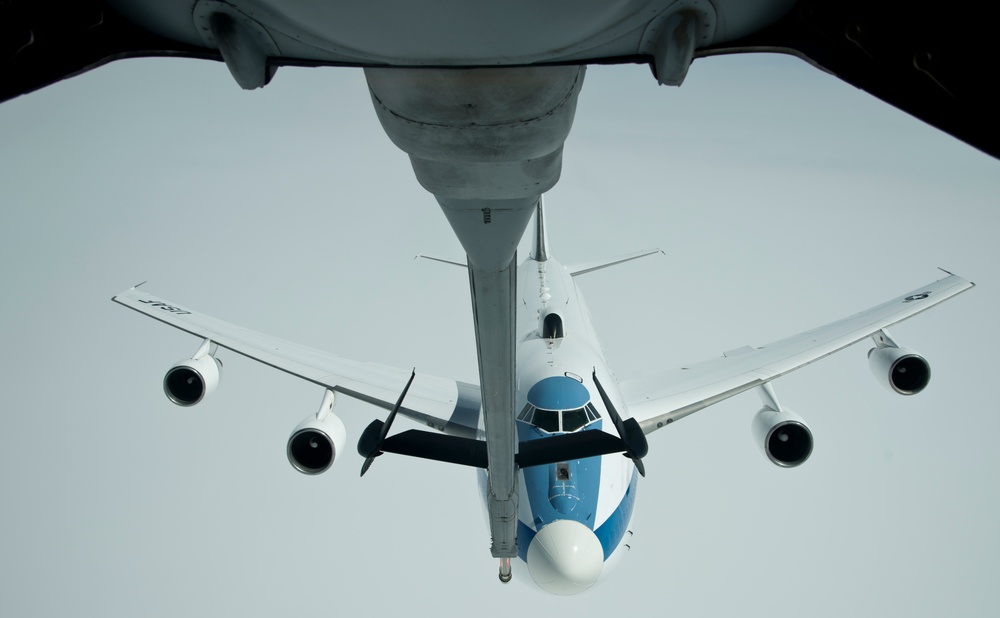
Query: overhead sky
{"points": [[782, 197]]}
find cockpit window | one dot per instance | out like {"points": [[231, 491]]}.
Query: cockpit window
{"points": [[526, 413], [546, 420], [553, 421], [559, 404], [574, 419]]}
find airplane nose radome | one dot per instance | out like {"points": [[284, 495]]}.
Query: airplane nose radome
{"points": [[565, 557]]}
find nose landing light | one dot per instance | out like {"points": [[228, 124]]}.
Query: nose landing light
{"points": [[565, 557]]}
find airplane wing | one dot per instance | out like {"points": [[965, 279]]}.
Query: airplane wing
{"points": [[662, 399], [446, 405]]}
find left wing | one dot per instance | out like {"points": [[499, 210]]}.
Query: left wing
{"points": [[660, 400], [441, 403]]}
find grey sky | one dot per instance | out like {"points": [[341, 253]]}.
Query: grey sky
{"points": [[782, 197]]}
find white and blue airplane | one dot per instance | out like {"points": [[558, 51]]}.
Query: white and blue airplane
{"points": [[574, 420]]}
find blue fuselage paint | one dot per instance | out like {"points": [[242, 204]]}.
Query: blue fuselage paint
{"points": [[567, 490], [556, 375], [611, 532], [558, 393]]}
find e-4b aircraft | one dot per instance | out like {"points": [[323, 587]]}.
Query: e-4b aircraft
{"points": [[580, 432]]}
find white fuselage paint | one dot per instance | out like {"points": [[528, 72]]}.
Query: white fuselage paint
{"points": [[544, 288]]}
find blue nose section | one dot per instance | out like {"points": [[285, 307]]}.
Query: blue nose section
{"points": [[563, 493], [558, 393]]}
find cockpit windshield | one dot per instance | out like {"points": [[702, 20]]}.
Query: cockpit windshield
{"points": [[553, 421], [559, 404]]}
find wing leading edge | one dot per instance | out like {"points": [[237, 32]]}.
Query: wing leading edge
{"points": [[659, 400], [444, 404]]}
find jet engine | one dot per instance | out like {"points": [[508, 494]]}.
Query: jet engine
{"points": [[899, 369], [191, 380], [784, 436], [317, 440]]}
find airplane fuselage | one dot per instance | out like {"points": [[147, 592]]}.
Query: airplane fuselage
{"points": [[574, 516]]}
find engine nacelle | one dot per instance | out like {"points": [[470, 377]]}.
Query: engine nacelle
{"points": [[315, 443], [191, 380], [784, 436], [901, 370]]}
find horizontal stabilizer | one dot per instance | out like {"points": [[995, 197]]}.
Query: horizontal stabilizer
{"points": [[442, 260], [589, 267]]}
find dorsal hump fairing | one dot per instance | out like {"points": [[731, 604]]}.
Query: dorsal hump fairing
{"points": [[540, 245]]}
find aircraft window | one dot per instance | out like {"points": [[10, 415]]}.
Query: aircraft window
{"points": [[574, 419], [549, 420], [546, 420], [525, 414]]}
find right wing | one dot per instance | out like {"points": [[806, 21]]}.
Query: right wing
{"points": [[446, 405], [662, 399]]}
